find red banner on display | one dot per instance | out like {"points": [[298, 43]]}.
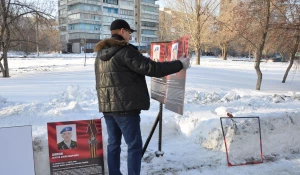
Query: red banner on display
{"points": [[159, 53], [170, 89], [81, 151]]}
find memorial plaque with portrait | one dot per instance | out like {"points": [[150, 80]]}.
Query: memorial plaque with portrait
{"points": [[170, 90], [75, 147], [159, 53]]}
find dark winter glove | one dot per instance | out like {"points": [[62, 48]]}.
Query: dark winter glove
{"points": [[186, 62]]}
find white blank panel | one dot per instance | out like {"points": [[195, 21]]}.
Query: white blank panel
{"points": [[16, 153]]}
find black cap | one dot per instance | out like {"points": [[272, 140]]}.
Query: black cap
{"points": [[119, 24]]}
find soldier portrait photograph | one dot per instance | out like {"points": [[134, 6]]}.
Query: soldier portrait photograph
{"points": [[156, 52], [66, 137], [174, 52]]}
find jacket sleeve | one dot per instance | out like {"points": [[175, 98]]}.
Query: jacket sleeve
{"points": [[140, 64]]}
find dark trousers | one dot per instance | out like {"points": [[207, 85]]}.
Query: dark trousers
{"points": [[129, 127]]}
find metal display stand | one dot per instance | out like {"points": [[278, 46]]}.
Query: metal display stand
{"points": [[238, 132], [158, 119]]}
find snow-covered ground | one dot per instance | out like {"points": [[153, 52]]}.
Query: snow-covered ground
{"points": [[57, 87]]}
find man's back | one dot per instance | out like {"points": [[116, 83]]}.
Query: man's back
{"points": [[120, 76]]}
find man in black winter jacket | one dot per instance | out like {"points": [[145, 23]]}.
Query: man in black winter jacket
{"points": [[122, 92]]}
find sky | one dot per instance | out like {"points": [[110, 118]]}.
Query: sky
{"points": [[58, 87]]}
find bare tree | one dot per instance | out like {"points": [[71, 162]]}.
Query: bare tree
{"points": [[191, 17], [289, 10], [253, 24], [10, 13], [292, 57], [264, 23], [27, 40], [224, 35], [49, 36]]}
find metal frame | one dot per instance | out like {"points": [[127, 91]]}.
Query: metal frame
{"points": [[247, 163]]}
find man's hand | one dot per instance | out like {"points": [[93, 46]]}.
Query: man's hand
{"points": [[186, 62]]}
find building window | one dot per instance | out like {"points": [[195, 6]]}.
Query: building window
{"points": [[108, 19], [149, 39], [149, 24], [149, 1], [150, 16], [84, 27], [126, 12], [74, 16], [127, 3], [83, 36], [90, 16], [106, 28], [148, 32], [129, 21], [149, 9], [90, 45], [85, 7], [110, 10], [111, 2], [104, 36]]}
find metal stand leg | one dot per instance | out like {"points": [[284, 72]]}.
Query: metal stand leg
{"points": [[158, 119], [159, 152], [151, 133]]}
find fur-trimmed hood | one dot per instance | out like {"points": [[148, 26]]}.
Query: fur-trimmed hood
{"points": [[110, 42], [109, 47]]}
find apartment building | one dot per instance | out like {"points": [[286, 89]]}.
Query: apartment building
{"points": [[83, 23]]}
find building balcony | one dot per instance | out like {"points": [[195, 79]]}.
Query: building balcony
{"points": [[148, 35], [84, 21], [149, 28], [105, 23], [84, 11], [106, 32], [127, 7], [126, 16], [151, 13], [84, 31], [110, 5], [148, 4], [84, 2], [110, 14], [149, 20]]}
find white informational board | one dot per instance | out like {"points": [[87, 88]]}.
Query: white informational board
{"points": [[16, 152]]}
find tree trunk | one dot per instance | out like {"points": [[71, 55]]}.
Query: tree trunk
{"points": [[197, 52], [4, 66], [198, 32], [5, 36], [1, 66], [224, 51], [6, 71], [257, 68], [259, 50], [37, 36], [292, 58]]}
